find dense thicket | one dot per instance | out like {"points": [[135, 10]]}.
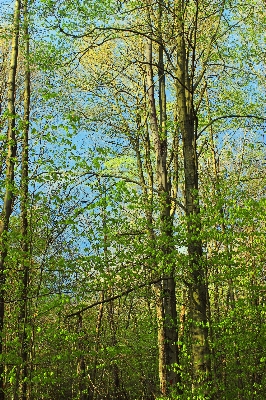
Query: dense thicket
{"points": [[132, 200]]}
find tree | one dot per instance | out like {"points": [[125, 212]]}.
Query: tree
{"points": [[25, 246], [136, 243], [9, 181]]}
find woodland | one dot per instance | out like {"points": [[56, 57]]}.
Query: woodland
{"points": [[132, 200]]}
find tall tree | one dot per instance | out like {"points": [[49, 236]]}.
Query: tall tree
{"points": [[9, 182], [22, 369], [198, 290]]}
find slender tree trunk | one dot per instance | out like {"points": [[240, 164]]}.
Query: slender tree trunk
{"points": [[24, 213], [198, 290], [165, 293], [10, 164], [96, 349], [81, 367], [161, 338], [117, 393]]}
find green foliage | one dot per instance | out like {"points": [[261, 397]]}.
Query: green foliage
{"points": [[97, 233]]}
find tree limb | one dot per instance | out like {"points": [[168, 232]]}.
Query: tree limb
{"points": [[229, 116], [124, 293]]}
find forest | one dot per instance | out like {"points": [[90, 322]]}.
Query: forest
{"points": [[132, 200]]}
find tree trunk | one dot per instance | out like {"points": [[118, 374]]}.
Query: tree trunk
{"points": [[96, 349], [10, 164], [198, 290], [81, 366], [24, 213], [165, 293]]}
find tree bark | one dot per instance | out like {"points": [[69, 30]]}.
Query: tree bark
{"points": [[165, 293], [198, 290], [81, 366], [91, 388], [24, 213], [10, 164]]}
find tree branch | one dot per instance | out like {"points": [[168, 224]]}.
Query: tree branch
{"points": [[127, 179], [124, 293], [229, 116]]}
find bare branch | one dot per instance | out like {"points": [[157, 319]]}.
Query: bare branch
{"points": [[124, 293], [229, 116]]}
